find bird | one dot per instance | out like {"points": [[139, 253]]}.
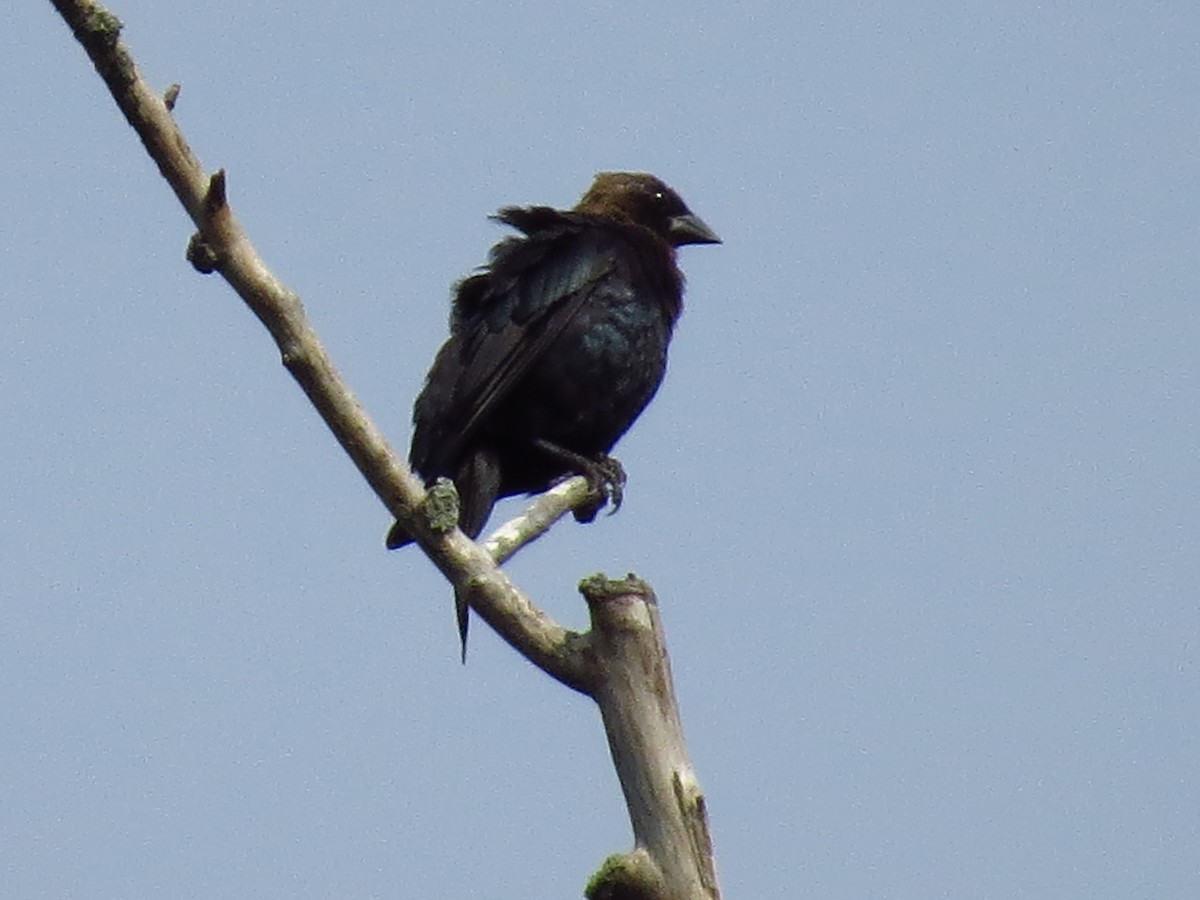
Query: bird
{"points": [[556, 346]]}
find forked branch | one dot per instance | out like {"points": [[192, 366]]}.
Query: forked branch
{"points": [[621, 663], [221, 245]]}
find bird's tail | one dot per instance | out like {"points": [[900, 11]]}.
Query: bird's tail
{"points": [[478, 484]]}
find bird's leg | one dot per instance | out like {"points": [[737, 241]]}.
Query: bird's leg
{"points": [[605, 475]]}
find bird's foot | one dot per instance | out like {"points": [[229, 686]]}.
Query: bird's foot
{"points": [[606, 484], [605, 476]]}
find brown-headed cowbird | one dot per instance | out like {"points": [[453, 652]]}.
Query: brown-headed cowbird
{"points": [[556, 346]]}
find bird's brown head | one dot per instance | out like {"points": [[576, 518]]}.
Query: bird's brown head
{"points": [[642, 199]]}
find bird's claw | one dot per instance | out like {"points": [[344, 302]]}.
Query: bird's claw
{"points": [[606, 484], [605, 477]]}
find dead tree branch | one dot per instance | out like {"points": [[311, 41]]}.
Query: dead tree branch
{"points": [[221, 245], [621, 663]]}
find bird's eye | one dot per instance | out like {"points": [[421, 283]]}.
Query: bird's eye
{"points": [[659, 196]]}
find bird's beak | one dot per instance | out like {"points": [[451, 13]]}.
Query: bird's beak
{"points": [[690, 229]]}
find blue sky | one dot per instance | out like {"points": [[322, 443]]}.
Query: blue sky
{"points": [[919, 496]]}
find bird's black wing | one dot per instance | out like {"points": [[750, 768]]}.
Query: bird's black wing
{"points": [[505, 319]]}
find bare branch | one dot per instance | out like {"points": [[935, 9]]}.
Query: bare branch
{"points": [[546, 509], [636, 697], [621, 663], [222, 246]]}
